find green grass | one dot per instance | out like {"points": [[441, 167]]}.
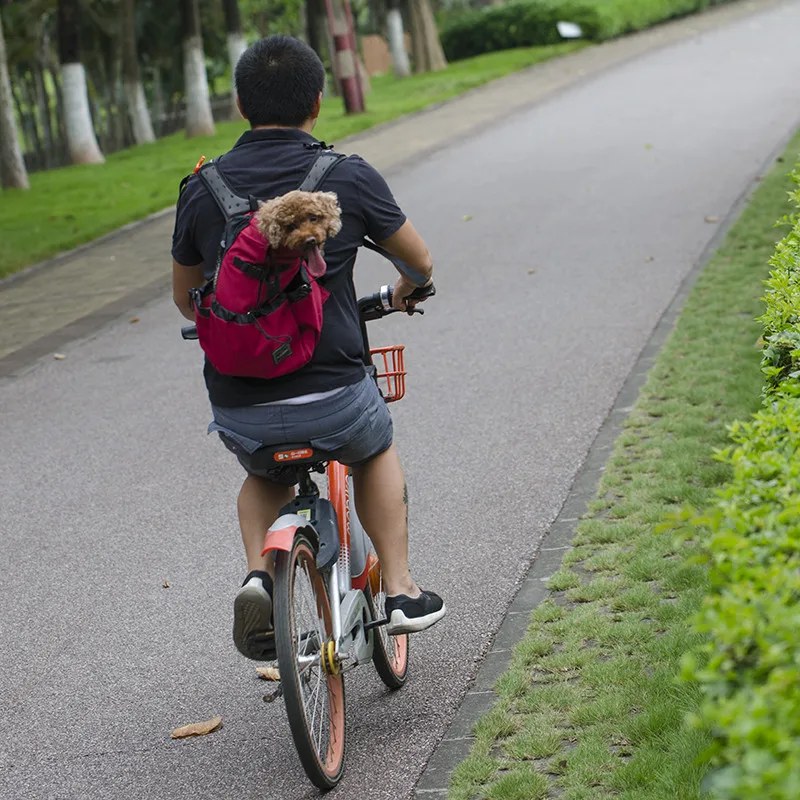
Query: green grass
{"points": [[591, 706], [73, 205]]}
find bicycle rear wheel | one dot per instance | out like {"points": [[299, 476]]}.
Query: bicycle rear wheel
{"points": [[313, 689], [389, 653]]}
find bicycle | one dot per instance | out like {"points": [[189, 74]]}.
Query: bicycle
{"points": [[328, 598]]}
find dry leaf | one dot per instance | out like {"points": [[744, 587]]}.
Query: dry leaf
{"points": [[531, 272], [134, 319], [648, 147], [59, 356], [165, 585], [712, 219], [268, 673], [197, 728], [467, 217], [649, 259]]}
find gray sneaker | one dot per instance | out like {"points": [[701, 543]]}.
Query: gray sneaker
{"points": [[253, 633]]}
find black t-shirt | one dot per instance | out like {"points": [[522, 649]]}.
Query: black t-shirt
{"points": [[266, 163]]}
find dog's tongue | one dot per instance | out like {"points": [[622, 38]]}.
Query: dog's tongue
{"points": [[316, 263]]}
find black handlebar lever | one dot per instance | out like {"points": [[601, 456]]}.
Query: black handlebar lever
{"points": [[379, 305], [189, 332]]}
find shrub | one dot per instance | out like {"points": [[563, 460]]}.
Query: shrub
{"points": [[523, 24], [749, 669]]}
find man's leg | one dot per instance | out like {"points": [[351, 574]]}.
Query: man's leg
{"points": [[382, 505], [260, 502]]}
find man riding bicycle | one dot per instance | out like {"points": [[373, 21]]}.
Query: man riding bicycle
{"points": [[331, 402]]}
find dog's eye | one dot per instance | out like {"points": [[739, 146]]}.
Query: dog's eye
{"points": [[291, 227], [313, 218]]}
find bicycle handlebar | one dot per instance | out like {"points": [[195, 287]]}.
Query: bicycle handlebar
{"points": [[375, 306], [379, 304]]}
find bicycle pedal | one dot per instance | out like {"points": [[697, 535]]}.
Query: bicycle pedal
{"points": [[274, 694], [376, 623]]}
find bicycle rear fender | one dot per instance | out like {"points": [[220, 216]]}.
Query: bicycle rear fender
{"points": [[281, 533], [313, 514]]}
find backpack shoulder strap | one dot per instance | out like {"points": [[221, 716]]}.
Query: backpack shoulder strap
{"points": [[230, 203], [319, 170]]}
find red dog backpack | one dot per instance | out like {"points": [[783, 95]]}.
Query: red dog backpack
{"points": [[261, 315]]}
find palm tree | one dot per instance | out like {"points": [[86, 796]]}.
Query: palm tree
{"points": [[12, 167], [134, 91], [236, 41], [81, 141], [425, 46], [199, 119]]}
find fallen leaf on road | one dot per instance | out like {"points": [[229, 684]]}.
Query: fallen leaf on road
{"points": [[467, 217], [268, 673], [712, 219], [165, 585], [59, 356], [649, 259], [531, 272], [648, 147], [135, 319], [197, 728]]}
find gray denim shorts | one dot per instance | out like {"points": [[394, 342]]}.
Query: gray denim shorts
{"points": [[352, 427]]}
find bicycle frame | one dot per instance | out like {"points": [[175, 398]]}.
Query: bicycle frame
{"points": [[352, 568]]}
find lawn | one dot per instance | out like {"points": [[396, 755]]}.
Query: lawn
{"points": [[592, 706], [73, 205]]}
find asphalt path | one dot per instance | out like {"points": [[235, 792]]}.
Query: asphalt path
{"points": [[560, 237]]}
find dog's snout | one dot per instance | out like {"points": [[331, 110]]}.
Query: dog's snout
{"points": [[310, 242]]}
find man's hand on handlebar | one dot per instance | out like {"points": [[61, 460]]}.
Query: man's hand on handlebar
{"points": [[406, 295]]}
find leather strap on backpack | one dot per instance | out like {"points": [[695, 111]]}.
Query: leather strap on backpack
{"points": [[325, 161], [232, 204]]}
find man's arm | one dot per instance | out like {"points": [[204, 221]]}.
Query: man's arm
{"points": [[409, 247], [183, 279]]}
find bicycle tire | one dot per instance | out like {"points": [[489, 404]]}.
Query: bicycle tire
{"points": [[389, 653], [322, 750]]}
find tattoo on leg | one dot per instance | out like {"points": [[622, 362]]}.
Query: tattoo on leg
{"points": [[405, 501]]}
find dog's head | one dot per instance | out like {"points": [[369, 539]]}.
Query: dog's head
{"points": [[300, 220]]}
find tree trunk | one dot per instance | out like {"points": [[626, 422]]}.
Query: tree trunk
{"points": [[199, 119], [345, 58], [12, 166], [397, 42], [237, 44], [81, 141], [425, 46], [138, 114]]}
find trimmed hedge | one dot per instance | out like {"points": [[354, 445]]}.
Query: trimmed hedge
{"points": [[533, 22], [749, 670]]}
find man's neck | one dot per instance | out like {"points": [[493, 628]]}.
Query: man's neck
{"points": [[306, 127]]}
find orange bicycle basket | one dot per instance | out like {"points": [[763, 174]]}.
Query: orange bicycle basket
{"points": [[391, 371]]}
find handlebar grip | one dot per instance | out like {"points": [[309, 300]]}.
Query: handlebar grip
{"points": [[421, 292], [189, 332]]}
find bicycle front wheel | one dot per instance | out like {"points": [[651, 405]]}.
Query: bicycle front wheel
{"points": [[313, 688], [389, 653]]}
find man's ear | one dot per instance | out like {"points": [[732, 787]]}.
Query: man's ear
{"points": [[239, 106], [317, 106]]}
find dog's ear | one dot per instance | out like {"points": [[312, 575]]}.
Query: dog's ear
{"points": [[267, 221], [331, 211]]}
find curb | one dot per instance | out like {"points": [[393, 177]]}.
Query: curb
{"points": [[67, 255], [457, 741]]}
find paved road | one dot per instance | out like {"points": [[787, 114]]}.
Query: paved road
{"points": [[585, 214]]}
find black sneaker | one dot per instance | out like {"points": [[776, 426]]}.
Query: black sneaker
{"points": [[253, 632], [413, 614]]}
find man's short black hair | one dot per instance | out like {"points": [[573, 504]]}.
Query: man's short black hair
{"points": [[278, 81]]}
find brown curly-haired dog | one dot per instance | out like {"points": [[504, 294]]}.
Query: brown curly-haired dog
{"points": [[300, 220]]}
